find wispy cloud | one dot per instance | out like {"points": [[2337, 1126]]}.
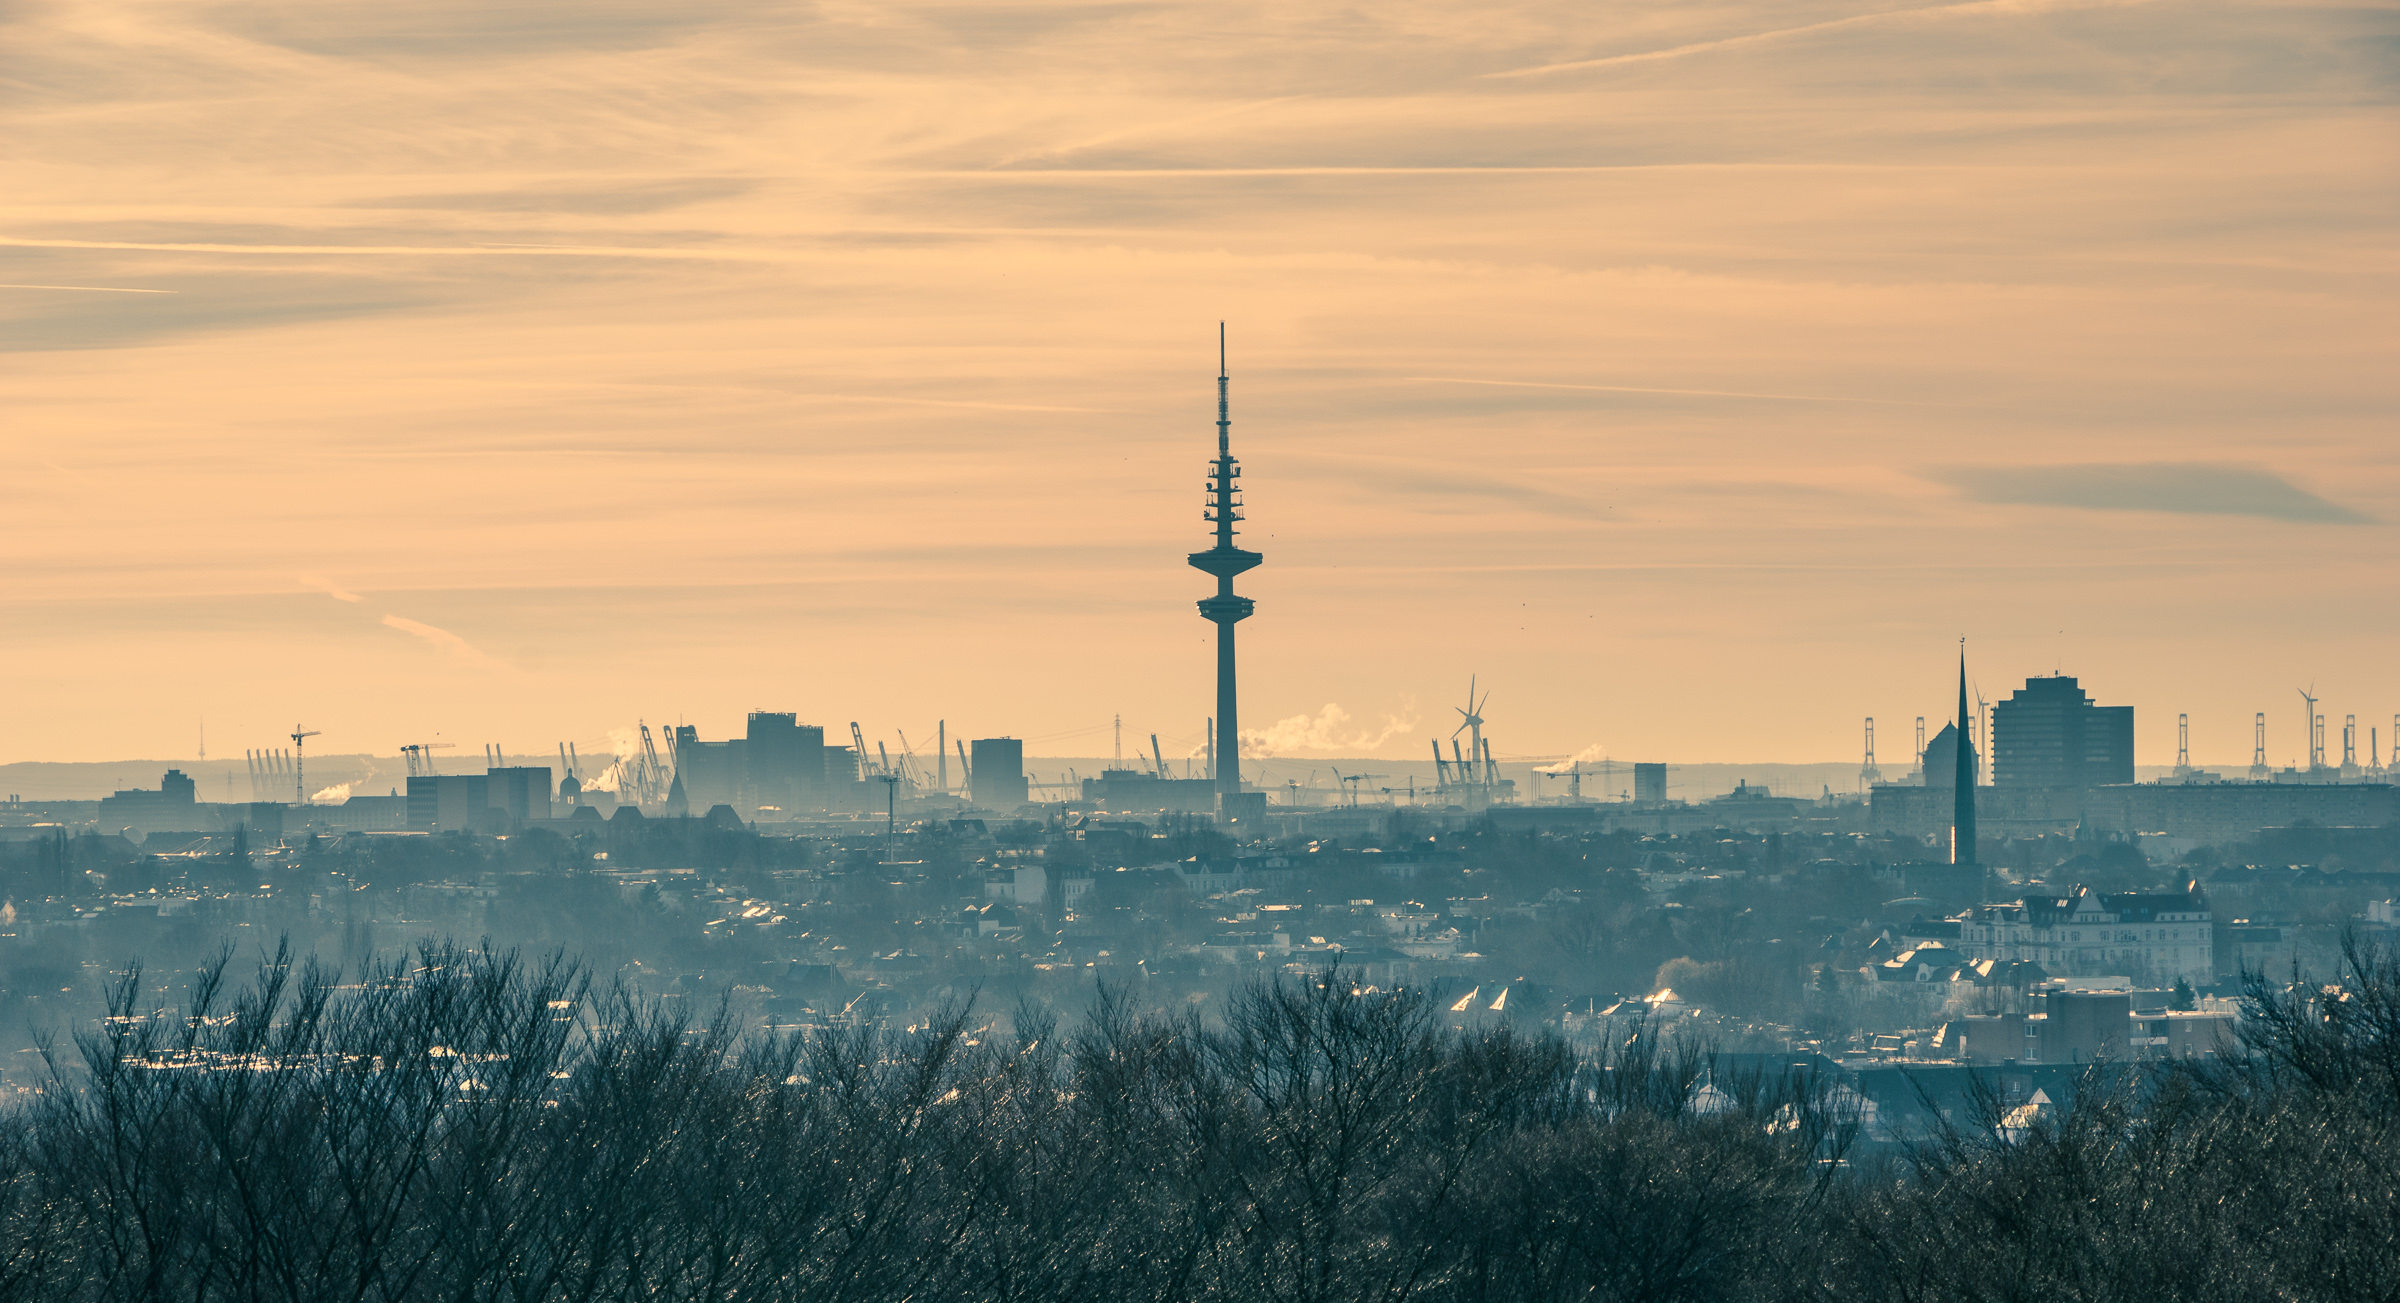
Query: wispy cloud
{"points": [[442, 638], [1888, 17], [1688, 393], [1455, 488], [2182, 488], [331, 589], [87, 289]]}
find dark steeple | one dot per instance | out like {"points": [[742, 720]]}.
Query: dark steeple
{"points": [[1962, 810], [1225, 561]]}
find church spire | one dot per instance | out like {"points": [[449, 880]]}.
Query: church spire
{"points": [[1962, 810]]}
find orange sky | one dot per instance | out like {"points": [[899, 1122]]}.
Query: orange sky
{"points": [[1696, 374]]}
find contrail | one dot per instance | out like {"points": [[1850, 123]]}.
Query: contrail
{"points": [[89, 289]]}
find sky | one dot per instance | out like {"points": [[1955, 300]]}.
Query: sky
{"points": [[1695, 376]]}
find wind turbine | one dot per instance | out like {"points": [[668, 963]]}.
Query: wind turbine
{"points": [[1471, 723]]}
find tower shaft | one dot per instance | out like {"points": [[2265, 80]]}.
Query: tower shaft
{"points": [[1225, 609]]}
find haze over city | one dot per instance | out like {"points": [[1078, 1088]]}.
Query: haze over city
{"points": [[1199, 653], [1697, 377]]}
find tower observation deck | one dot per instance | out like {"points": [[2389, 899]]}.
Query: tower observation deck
{"points": [[1225, 609]]}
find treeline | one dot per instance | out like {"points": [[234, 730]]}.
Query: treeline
{"points": [[471, 1126]]}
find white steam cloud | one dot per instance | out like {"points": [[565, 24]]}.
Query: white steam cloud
{"points": [[337, 792], [625, 742], [1584, 757], [1325, 732]]}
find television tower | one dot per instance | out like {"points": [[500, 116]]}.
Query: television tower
{"points": [[1225, 561]]}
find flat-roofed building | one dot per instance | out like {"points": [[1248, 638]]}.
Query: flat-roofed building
{"points": [[2050, 733], [998, 777]]}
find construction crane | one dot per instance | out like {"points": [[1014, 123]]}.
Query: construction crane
{"points": [[966, 775], [1158, 758], [1352, 781], [418, 756], [858, 747], [300, 737]]}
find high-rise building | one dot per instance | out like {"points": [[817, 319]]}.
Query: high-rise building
{"points": [[778, 762], [998, 777], [1649, 782], [2051, 734], [711, 772], [784, 762]]}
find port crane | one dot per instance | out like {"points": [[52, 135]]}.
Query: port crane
{"points": [[418, 756]]}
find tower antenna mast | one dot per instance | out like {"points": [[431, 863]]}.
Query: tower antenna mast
{"points": [[1225, 609]]}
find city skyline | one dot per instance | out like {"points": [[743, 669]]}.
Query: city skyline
{"points": [[1694, 379]]}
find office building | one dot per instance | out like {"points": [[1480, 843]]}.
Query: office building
{"points": [[998, 768], [712, 773], [2051, 734], [446, 802], [174, 807], [523, 792], [1649, 783], [783, 763]]}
